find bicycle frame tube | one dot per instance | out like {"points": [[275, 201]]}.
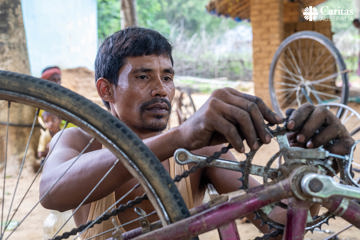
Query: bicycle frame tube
{"points": [[345, 208], [223, 213], [296, 219], [207, 219]]}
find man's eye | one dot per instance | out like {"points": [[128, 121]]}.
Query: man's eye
{"points": [[143, 77], [168, 78]]}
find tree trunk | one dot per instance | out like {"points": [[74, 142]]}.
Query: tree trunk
{"points": [[14, 57], [128, 13]]}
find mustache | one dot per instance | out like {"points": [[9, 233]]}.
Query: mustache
{"points": [[155, 100]]}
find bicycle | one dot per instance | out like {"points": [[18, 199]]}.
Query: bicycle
{"points": [[307, 67], [296, 178]]}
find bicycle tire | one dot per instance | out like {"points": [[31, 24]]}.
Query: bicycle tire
{"points": [[320, 40], [110, 131]]}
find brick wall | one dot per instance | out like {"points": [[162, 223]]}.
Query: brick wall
{"points": [[272, 21], [267, 24]]}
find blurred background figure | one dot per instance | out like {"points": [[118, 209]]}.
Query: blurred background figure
{"points": [[52, 126], [52, 73]]}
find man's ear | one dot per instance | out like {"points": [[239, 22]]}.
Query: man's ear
{"points": [[104, 89]]}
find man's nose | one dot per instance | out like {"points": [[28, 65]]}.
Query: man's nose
{"points": [[158, 88]]}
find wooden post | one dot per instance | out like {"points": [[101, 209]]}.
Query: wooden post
{"points": [[128, 13], [267, 24], [14, 57]]}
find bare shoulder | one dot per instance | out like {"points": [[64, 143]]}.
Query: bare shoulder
{"points": [[75, 139]]}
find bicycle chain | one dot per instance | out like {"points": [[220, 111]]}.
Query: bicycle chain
{"points": [[105, 217], [138, 200], [177, 178]]}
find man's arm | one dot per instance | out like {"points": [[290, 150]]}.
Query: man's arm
{"points": [[228, 116], [86, 171]]}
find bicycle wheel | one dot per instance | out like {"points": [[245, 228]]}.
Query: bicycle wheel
{"points": [[350, 118], [307, 67], [21, 214]]}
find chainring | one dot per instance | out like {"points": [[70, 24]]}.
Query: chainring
{"points": [[283, 171]]}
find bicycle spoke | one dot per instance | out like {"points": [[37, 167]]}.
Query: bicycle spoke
{"points": [[329, 66], [308, 67], [315, 92], [295, 62], [301, 62], [327, 86], [285, 69], [5, 168], [328, 77], [120, 226], [333, 236], [21, 169], [43, 196], [346, 116], [109, 208], [315, 62], [293, 86], [89, 194], [290, 79], [37, 173], [289, 72]]}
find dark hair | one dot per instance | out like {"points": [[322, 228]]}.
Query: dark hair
{"points": [[130, 42], [50, 67]]}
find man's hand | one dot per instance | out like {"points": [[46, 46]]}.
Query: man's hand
{"points": [[314, 126], [229, 116]]}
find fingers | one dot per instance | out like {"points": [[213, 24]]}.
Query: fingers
{"points": [[315, 121], [251, 125], [316, 126], [233, 123], [231, 115], [238, 106], [266, 112], [299, 116], [229, 131]]}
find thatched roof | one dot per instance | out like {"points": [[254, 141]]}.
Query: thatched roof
{"points": [[240, 9]]}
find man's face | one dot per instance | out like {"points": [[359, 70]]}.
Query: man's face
{"points": [[144, 92], [56, 78], [52, 123]]}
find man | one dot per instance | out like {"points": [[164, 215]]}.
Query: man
{"points": [[52, 126], [52, 73], [134, 77]]}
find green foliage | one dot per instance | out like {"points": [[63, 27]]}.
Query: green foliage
{"points": [[108, 17], [162, 15], [188, 25], [191, 16]]}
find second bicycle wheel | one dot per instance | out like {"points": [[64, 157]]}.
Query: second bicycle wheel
{"points": [[22, 216], [307, 67]]}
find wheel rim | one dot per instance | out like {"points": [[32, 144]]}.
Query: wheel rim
{"points": [[13, 219], [307, 68]]}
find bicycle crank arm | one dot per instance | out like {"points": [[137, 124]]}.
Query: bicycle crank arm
{"points": [[183, 156], [322, 186]]}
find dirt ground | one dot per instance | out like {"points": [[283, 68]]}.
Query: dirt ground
{"points": [[81, 80]]}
